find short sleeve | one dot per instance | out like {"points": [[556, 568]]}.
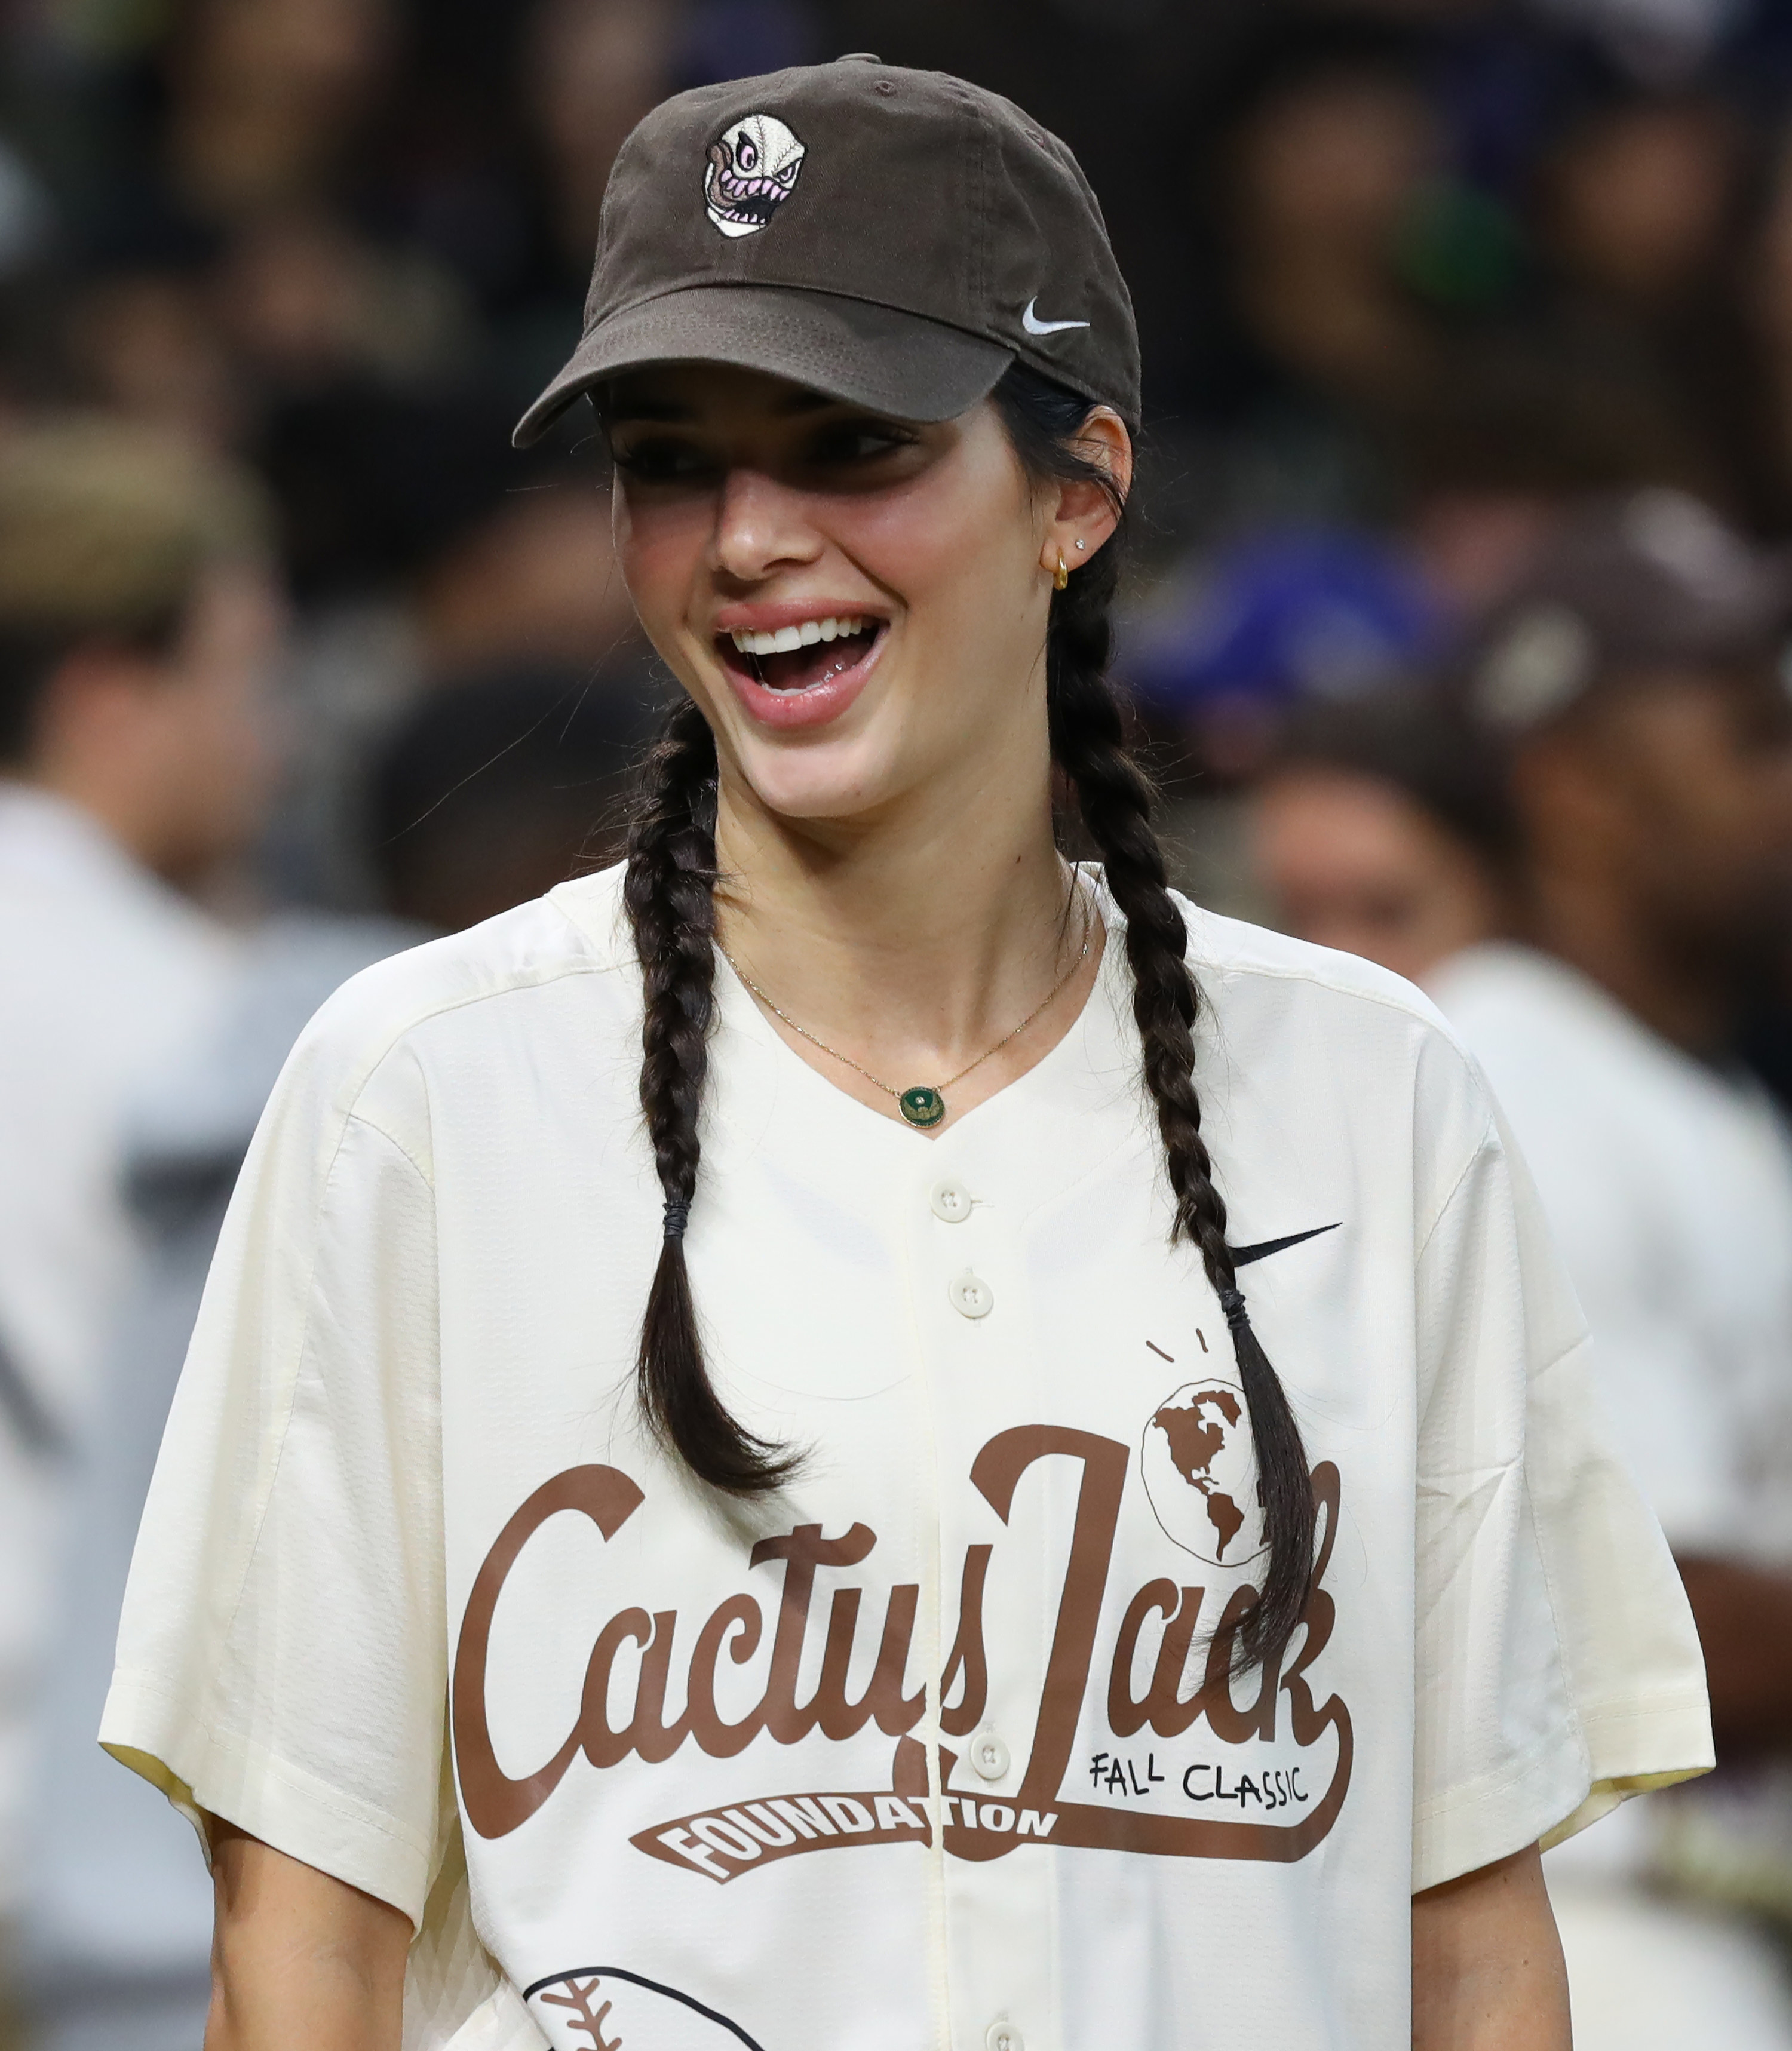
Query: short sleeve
{"points": [[282, 1657], [1655, 1388], [1558, 1670]]}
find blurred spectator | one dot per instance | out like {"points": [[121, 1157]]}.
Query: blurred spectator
{"points": [[1223, 655], [306, 302], [1225, 651], [1488, 469], [118, 1921], [595, 67], [1642, 207], [492, 790], [1383, 828], [146, 344], [531, 586], [485, 796], [267, 98], [1329, 151], [137, 620], [1326, 166], [1766, 287], [377, 440], [1633, 682], [1640, 198], [26, 221], [346, 370], [535, 581], [1661, 42]]}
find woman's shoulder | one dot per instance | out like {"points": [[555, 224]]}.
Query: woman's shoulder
{"points": [[468, 982], [1235, 961], [1322, 1030]]}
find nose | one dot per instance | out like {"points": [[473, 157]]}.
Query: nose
{"points": [[760, 528]]}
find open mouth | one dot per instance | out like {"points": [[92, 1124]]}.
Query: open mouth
{"points": [[790, 660], [756, 206]]}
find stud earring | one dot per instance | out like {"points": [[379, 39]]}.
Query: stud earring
{"points": [[1080, 546], [1061, 576]]}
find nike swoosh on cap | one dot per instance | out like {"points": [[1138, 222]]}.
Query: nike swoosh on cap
{"points": [[1034, 325], [1243, 1255]]}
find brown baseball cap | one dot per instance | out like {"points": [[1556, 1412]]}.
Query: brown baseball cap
{"points": [[892, 238], [1627, 587]]}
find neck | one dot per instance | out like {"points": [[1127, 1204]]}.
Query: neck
{"points": [[1594, 928], [913, 940]]}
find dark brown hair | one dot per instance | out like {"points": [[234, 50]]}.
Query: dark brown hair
{"points": [[669, 893], [1420, 739], [107, 528]]}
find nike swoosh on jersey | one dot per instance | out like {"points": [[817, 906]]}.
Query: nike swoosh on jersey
{"points": [[1243, 1255], [1034, 325]]}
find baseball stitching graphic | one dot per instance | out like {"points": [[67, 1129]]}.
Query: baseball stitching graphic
{"points": [[753, 168], [594, 2001]]}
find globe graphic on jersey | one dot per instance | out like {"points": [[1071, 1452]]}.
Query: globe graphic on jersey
{"points": [[1200, 1472]]}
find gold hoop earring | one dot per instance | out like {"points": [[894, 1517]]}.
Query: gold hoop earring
{"points": [[1061, 576]]}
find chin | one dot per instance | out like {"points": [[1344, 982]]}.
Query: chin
{"points": [[815, 733], [837, 778]]}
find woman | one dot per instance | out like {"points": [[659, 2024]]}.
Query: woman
{"points": [[936, 1621]]}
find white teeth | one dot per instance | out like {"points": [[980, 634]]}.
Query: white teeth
{"points": [[752, 641]]}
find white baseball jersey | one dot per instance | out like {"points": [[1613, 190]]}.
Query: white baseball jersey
{"points": [[939, 1746]]}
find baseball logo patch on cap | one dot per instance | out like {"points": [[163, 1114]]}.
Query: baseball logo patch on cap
{"points": [[751, 172]]}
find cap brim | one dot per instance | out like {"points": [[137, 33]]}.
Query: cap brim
{"points": [[893, 362]]}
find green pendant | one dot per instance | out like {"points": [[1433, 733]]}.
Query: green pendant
{"points": [[922, 1105]]}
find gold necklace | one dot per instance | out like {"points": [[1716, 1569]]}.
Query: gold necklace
{"points": [[923, 1103]]}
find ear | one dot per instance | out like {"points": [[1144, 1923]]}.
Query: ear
{"points": [[1083, 512]]}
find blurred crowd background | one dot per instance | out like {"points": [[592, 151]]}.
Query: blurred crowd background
{"points": [[1458, 634]]}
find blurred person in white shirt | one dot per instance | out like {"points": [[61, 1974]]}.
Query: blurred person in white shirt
{"points": [[1593, 922], [137, 620], [486, 792]]}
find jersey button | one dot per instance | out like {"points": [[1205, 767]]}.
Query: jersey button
{"points": [[950, 1202], [1004, 2037], [970, 1295], [989, 1755]]}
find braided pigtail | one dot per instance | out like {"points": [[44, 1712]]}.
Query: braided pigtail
{"points": [[1088, 743], [670, 893]]}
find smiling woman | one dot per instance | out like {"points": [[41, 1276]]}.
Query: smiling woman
{"points": [[791, 662], [759, 1333], [928, 521]]}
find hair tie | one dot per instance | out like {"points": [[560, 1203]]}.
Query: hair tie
{"points": [[1232, 1303], [678, 1216]]}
